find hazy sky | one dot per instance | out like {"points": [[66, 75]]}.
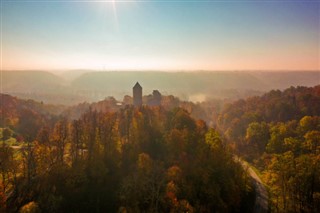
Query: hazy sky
{"points": [[161, 35]]}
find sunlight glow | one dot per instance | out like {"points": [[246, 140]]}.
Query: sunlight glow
{"points": [[114, 8], [128, 34]]}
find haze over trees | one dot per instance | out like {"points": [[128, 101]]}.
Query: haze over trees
{"points": [[103, 156], [136, 159]]}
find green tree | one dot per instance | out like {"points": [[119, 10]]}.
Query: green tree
{"points": [[312, 141], [6, 134], [257, 136], [144, 189], [8, 167], [281, 172], [59, 139]]}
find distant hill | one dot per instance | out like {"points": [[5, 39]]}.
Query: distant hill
{"points": [[186, 84], [168, 81], [283, 80], [70, 75], [31, 81], [26, 117], [74, 87], [40, 86]]}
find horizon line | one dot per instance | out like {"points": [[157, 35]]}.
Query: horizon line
{"points": [[160, 70]]}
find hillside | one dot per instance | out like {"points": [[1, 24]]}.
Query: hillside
{"points": [[39, 86], [31, 82], [194, 82], [279, 133], [26, 117], [274, 106]]}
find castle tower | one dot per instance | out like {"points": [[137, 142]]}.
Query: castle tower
{"points": [[137, 95], [156, 98]]}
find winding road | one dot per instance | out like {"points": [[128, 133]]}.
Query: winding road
{"points": [[261, 202]]}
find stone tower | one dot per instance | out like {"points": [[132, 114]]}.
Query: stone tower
{"points": [[137, 95], [156, 97]]}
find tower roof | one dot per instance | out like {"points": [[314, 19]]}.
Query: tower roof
{"points": [[137, 85]]}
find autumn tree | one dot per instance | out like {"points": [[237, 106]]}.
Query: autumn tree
{"points": [[257, 136]]}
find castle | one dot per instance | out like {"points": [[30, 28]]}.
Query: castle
{"points": [[137, 95], [152, 100]]}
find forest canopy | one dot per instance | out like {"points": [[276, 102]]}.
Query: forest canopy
{"points": [[177, 157], [135, 159], [279, 133]]}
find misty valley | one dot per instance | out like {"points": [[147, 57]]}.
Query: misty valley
{"points": [[78, 86], [156, 152]]}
